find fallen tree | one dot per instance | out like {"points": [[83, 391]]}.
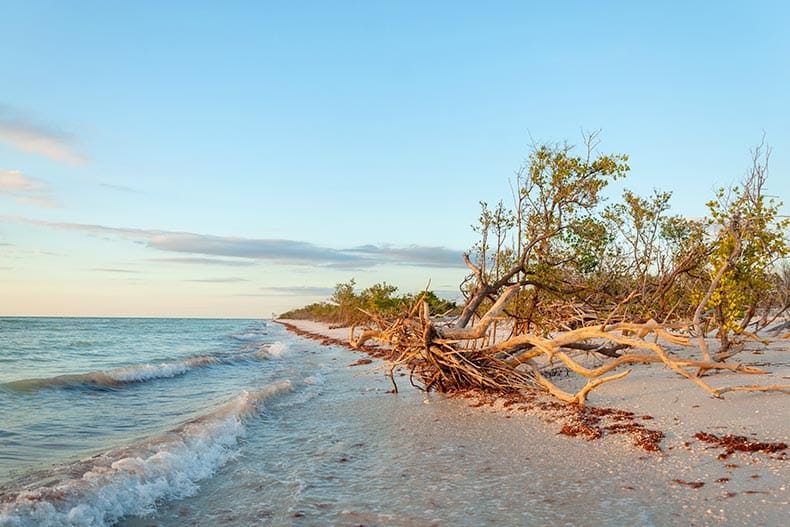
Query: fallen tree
{"points": [[446, 358]]}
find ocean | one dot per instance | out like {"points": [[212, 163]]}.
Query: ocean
{"points": [[173, 422]]}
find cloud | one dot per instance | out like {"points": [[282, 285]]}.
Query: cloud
{"points": [[27, 136], [121, 188], [284, 251], [261, 249], [114, 270], [417, 255], [131, 234], [25, 189], [205, 261]]}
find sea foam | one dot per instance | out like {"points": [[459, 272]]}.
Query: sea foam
{"points": [[117, 376], [148, 371], [277, 349], [100, 490]]}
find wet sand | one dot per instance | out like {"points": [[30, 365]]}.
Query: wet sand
{"points": [[708, 461]]}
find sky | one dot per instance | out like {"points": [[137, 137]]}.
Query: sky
{"points": [[238, 159]]}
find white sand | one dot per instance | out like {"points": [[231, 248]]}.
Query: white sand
{"points": [[741, 489]]}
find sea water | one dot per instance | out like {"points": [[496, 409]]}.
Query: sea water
{"points": [[167, 422]]}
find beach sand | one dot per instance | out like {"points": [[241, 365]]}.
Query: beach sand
{"points": [[703, 481]]}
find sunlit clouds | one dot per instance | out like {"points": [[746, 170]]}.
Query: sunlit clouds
{"points": [[30, 137], [198, 260], [25, 189], [285, 252]]}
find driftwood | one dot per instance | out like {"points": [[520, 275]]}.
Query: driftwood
{"points": [[448, 358]]}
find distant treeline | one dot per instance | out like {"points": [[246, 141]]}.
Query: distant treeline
{"points": [[347, 307]]}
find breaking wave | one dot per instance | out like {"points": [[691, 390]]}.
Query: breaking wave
{"points": [[251, 335], [110, 379], [100, 490], [277, 349]]}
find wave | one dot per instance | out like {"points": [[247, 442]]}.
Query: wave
{"points": [[277, 349], [131, 481], [250, 335], [109, 379]]}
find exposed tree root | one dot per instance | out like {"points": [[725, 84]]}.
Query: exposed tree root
{"points": [[447, 358]]}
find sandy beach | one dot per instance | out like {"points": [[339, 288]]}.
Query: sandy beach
{"points": [[717, 461]]}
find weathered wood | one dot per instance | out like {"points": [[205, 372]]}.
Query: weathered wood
{"points": [[437, 358], [479, 329]]}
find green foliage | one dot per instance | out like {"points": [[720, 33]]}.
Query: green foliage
{"points": [[322, 311], [378, 299], [748, 240], [553, 234], [436, 305], [347, 307], [639, 223], [345, 300], [586, 259], [559, 195], [588, 240], [493, 227]]}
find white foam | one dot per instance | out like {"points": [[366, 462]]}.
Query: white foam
{"points": [[250, 336], [147, 372], [112, 378], [131, 481], [277, 349], [316, 379]]}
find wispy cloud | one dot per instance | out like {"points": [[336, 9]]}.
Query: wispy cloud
{"points": [[204, 261], [272, 250], [16, 251], [121, 188], [285, 251], [418, 255], [114, 270], [28, 136], [25, 189]]}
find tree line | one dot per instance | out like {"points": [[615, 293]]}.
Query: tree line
{"points": [[347, 306]]}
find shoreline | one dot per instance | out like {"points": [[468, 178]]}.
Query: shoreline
{"points": [[642, 396], [718, 448]]}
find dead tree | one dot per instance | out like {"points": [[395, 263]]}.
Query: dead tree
{"points": [[438, 359]]}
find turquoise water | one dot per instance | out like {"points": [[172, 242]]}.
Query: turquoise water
{"points": [[71, 387], [166, 423], [87, 396]]}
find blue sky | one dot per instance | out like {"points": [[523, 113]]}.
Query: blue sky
{"points": [[241, 158]]}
